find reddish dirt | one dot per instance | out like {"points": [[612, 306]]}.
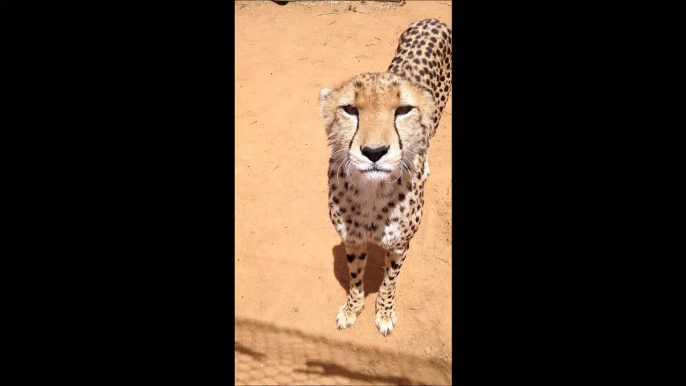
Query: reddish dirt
{"points": [[291, 273]]}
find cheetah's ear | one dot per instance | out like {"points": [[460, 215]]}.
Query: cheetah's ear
{"points": [[322, 99], [323, 94]]}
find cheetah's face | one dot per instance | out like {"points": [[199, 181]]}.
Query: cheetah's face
{"points": [[379, 122]]}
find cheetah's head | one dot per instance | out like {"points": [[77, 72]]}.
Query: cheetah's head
{"points": [[377, 124]]}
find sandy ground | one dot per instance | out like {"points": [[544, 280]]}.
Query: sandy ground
{"points": [[291, 273]]}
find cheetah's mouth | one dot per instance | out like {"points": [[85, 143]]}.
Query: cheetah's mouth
{"points": [[374, 169]]}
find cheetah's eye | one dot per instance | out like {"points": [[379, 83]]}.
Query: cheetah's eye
{"points": [[352, 110], [402, 110]]}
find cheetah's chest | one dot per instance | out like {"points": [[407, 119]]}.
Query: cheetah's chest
{"points": [[387, 215]]}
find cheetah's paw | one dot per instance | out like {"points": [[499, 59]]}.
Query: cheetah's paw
{"points": [[346, 317], [385, 321]]}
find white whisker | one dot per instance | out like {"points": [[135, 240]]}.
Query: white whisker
{"points": [[410, 152], [338, 179], [408, 159], [408, 169], [399, 175], [341, 157], [337, 152], [404, 170], [409, 162]]}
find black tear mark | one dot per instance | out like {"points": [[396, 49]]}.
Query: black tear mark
{"points": [[357, 126], [400, 141]]}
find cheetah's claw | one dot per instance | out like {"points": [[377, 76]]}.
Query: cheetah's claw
{"points": [[385, 321], [346, 317]]}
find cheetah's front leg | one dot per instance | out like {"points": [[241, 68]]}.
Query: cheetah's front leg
{"points": [[357, 260], [385, 300]]}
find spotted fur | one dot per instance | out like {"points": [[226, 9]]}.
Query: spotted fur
{"points": [[380, 199]]}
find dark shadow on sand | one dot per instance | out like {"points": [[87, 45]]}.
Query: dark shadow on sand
{"points": [[330, 369], [373, 273], [266, 354], [245, 350]]}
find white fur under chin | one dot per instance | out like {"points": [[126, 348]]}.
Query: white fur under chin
{"points": [[371, 185]]}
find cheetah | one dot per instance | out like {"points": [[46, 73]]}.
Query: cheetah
{"points": [[378, 126]]}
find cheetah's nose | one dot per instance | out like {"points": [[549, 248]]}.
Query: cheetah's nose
{"points": [[375, 153]]}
